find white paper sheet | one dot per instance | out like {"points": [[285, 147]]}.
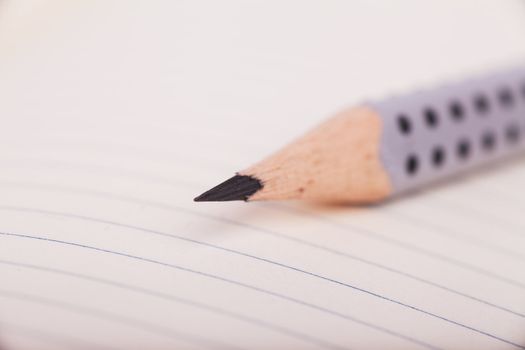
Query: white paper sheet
{"points": [[115, 115]]}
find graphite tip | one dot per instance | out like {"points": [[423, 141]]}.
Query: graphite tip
{"points": [[238, 187]]}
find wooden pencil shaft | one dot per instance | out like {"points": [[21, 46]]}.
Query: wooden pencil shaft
{"points": [[339, 161]]}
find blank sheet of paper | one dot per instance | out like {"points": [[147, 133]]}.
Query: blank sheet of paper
{"points": [[115, 115]]}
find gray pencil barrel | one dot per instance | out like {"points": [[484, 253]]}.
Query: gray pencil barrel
{"points": [[433, 134]]}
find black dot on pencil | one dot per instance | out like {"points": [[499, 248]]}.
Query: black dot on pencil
{"points": [[505, 97], [456, 110], [463, 149], [404, 124], [238, 187], [431, 117], [512, 133], [481, 103], [488, 141], [412, 164], [438, 156]]}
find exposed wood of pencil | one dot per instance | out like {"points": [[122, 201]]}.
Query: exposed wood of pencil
{"points": [[338, 161]]}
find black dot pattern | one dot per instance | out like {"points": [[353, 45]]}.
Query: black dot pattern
{"points": [[493, 108]]}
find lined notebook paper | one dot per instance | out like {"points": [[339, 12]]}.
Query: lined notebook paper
{"points": [[107, 137]]}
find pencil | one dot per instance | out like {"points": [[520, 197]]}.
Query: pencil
{"points": [[381, 149]]}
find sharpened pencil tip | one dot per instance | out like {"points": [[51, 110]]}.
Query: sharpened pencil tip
{"points": [[236, 188]]}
